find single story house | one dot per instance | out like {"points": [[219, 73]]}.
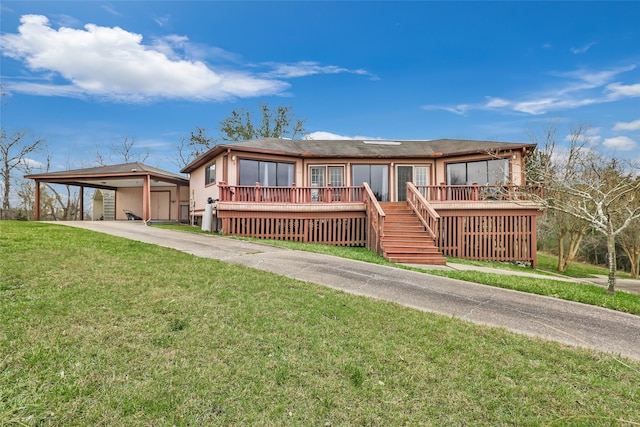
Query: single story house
{"points": [[409, 201]]}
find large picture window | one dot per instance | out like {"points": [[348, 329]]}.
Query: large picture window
{"points": [[484, 172], [268, 174], [377, 176]]}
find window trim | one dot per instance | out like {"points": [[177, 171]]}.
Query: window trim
{"points": [[210, 178], [327, 176], [258, 161], [507, 175]]}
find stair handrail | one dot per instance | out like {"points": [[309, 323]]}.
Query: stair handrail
{"points": [[375, 220], [423, 210]]}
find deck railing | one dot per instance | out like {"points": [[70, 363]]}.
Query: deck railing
{"points": [[375, 221], [296, 195], [355, 194], [464, 230], [423, 210], [475, 192]]}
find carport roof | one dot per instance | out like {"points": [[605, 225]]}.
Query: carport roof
{"points": [[112, 177]]}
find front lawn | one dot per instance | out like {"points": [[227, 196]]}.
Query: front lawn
{"points": [[99, 330]]}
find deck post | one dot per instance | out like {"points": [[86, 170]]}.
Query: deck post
{"points": [[443, 192], [292, 194], [257, 192], [474, 192]]}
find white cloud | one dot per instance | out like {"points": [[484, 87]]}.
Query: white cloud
{"points": [[321, 135], [627, 126], [162, 21], [496, 102], [460, 110], [583, 49], [591, 136], [307, 68], [622, 143], [110, 9], [577, 89], [587, 79], [113, 63], [619, 90], [32, 163]]}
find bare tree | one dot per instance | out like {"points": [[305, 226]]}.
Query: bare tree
{"points": [[125, 152], [14, 151], [183, 157], [60, 202], [630, 243], [544, 165], [590, 187], [571, 231]]}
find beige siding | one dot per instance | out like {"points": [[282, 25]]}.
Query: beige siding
{"points": [[198, 192], [128, 198]]}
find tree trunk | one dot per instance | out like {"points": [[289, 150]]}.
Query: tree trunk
{"points": [[633, 253], [561, 261], [566, 257], [6, 178], [611, 255]]}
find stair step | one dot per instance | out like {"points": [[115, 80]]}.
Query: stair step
{"points": [[409, 243], [415, 232], [405, 239], [426, 261]]}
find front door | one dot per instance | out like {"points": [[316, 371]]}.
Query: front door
{"points": [[419, 175], [404, 174]]}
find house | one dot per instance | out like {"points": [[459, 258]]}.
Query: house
{"points": [[125, 191], [410, 201]]}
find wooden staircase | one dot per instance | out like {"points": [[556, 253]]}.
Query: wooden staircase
{"points": [[405, 238]]}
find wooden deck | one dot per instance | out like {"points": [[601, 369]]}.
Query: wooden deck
{"points": [[471, 222]]}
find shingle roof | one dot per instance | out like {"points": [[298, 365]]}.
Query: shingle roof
{"points": [[361, 148], [121, 169]]}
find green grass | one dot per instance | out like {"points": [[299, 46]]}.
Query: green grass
{"points": [[98, 330], [571, 291], [184, 227], [548, 262]]}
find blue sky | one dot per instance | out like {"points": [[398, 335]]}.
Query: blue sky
{"points": [[86, 75]]}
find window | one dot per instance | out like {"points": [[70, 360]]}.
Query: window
{"points": [[421, 175], [484, 172], [268, 174], [210, 174], [318, 175], [336, 176], [377, 176]]}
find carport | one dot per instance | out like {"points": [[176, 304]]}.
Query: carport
{"points": [[150, 192]]}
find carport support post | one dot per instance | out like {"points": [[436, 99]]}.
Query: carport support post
{"points": [[146, 198], [177, 199], [81, 203], [37, 202]]}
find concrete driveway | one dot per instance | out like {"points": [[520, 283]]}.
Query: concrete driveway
{"points": [[549, 318]]}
